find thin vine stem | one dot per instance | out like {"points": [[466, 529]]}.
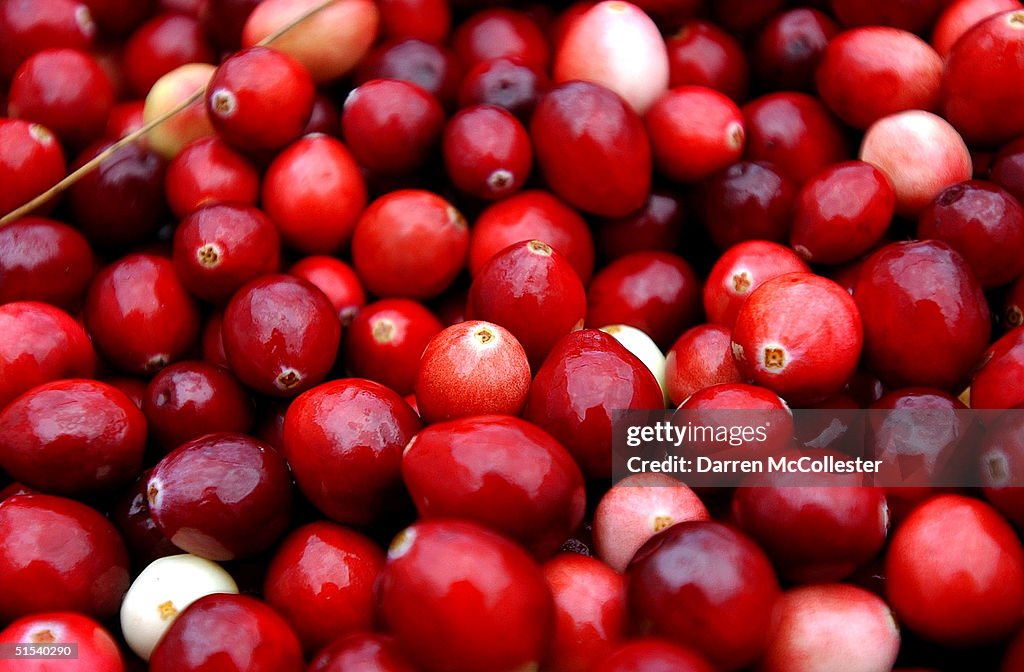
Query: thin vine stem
{"points": [[94, 162]]}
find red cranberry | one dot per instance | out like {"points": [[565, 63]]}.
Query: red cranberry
{"points": [[702, 54], [487, 152], [733, 403], [160, 45], [96, 650], [498, 471], [461, 598], [659, 226], [501, 33], [749, 200], [219, 248], [568, 400], [1013, 304], [1007, 168], [706, 586], [325, 117], [656, 292], [700, 358], [359, 651], [999, 462], [314, 216], [506, 83], [427, 20], [44, 260], [29, 27], [72, 437], [430, 66], [281, 335], [344, 441], [59, 554], [31, 163], [913, 15], [212, 343], [653, 655], [928, 288], [233, 632], [587, 138], [391, 126], [996, 382], [143, 538], [40, 343], [970, 592], [124, 118], [221, 496], [321, 580], [745, 15], [410, 243], [789, 48], [336, 279], [960, 16], [223, 21], [739, 271], [207, 172]]}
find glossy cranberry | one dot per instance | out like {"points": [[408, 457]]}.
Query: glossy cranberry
{"points": [[219, 248], [532, 215], [960, 16], [31, 163], [706, 586], [568, 400], [966, 593], [653, 655], [586, 138], [487, 152], [208, 172], [40, 343], [72, 437], [656, 292], [29, 27], [738, 403], [985, 55], [391, 126], [344, 441], [121, 202], [409, 243], [59, 554], [501, 33], [842, 212], [385, 340], [506, 83], [211, 343], [66, 91], [929, 289], [659, 226], [459, 597], [133, 387], [427, 20], [314, 216], [795, 132], [870, 72], [789, 48], [228, 632], [125, 117], [362, 650], [221, 496], [160, 45], [700, 357], [336, 279], [430, 66], [281, 335], [501, 472], [321, 580], [749, 200], [590, 611], [700, 53], [1007, 168], [96, 649], [144, 540], [996, 382], [694, 132], [739, 271]]}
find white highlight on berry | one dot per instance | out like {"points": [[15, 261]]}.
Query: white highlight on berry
{"points": [[645, 349]]}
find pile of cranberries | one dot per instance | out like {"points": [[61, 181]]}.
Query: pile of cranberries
{"points": [[317, 370]]}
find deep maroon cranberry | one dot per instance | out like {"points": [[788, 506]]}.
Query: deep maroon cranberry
{"points": [[362, 650], [506, 83], [96, 648], [336, 279], [432, 67], [1007, 168], [487, 152], [31, 163], [997, 381], [700, 358], [221, 496], [789, 47], [659, 226], [702, 54], [915, 16], [44, 260], [229, 632], [386, 339], [72, 437], [58, 554], [223, 21], [161, 45], [704, 585], [281, 335], [143, 538], [344, 441], [325, 117], [29, 27], [207, 172], [139, 315], [749, 200]]}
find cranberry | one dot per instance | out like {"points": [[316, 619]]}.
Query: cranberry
{"points": [[506, 83], [59, 554], [659, 225], [459, 597], [219, 248], [999, 462], [913, 15], [221, 496], [706, 586], [642, 347], [183, 117], [281, 335], [427, 20], [842, 212], [700, 357], [738, 403], [410, 243], [969, 592], [960, 16], [72, 437], [125, 118], [587, 138], [498, 471], [212, 342], [391, 126], [29, 27], [162, 44], [800, 335], [344, 441], [739, 271], [362, 650], [234, 632], [590, 611], [501, 33], [325, 117], [189, 399], [1007, 168], [224, 20], [487, 152], [653, 655], [31, 163], [96, 650], [314, 216], [336, 279], [207, 172], [1013, 304], [40, 343], [44, 260], [321, 580], [430, 66], [568, 400], [702, 54], [745, 15], [749, 200], [996, 382], [385, 340], [928, 288], [532, 215], [789, 48], [144, 540], [66, 91], [139, 315]]}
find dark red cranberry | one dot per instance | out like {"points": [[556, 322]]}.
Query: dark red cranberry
{"points": [[223, 21], [653, 655], [31, 163], [998, 381], [430, 66], [124, 118], [487, 152], [659, 226], [427, 20], [501, 33], [212, 345], [506, 83], [325, 117], [44, 260], [29, 27], [915, 16], [789, 48], [336, 279], [160, 45], [207, 172], [1007, 168], [385, 340], [57, 554], [700, 358], [362, 650], [702, 54], [143, 538], [749, 200], [96, 649]]}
